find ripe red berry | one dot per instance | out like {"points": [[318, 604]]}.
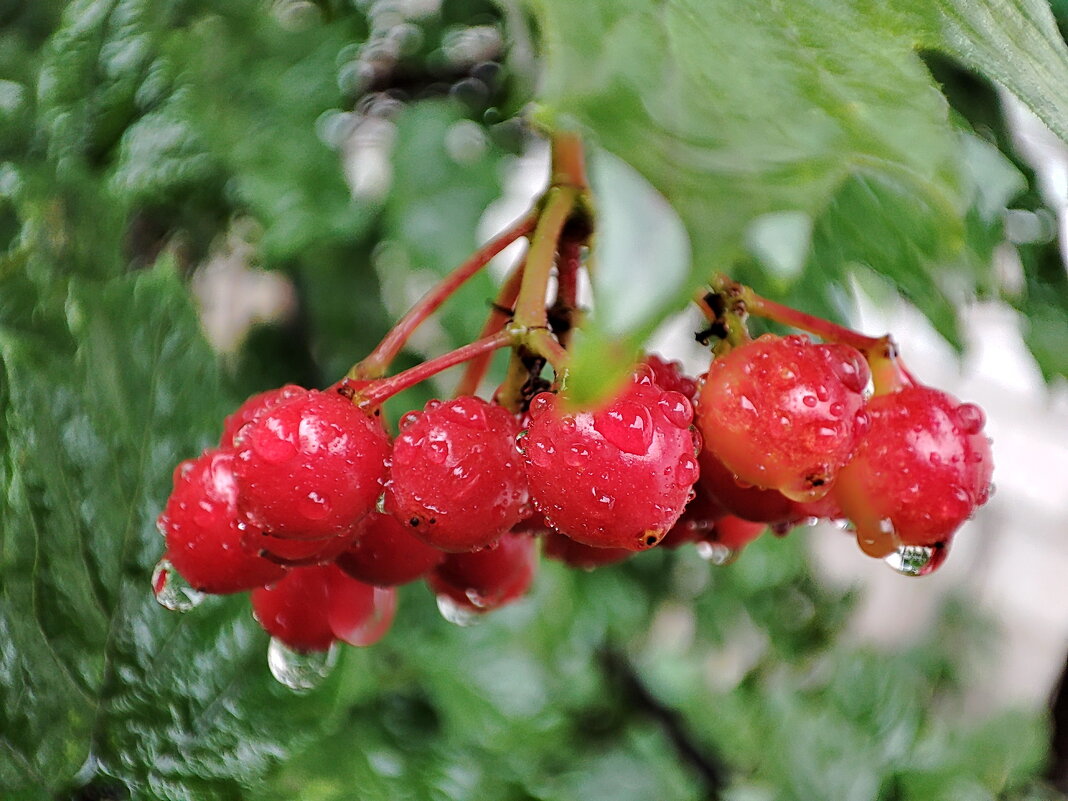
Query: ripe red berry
{"points": [[386, 554], [670, 375], [253, 408], [311, 466], [574, 554], [616, 477], [734, 533], [920, 472], [783, 413], [456, 477], [488, 579], [204, 531], [698, 519], [298, 553], [746, 502], [313, 606]]}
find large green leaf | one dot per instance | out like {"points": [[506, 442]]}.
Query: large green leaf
{"points": [[98, 683], [775, 128]]}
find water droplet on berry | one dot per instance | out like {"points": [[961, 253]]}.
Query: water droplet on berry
{"points": [[918, 560], [747, 404], [850, 373], [823, 393], [716, 552], [643, 375], [540, 404], [810, 401], [171, 590], [836, 409], [686, 471], [627, 425], [456, 613], [161, 525], [407, 419], [970, 418], [437, 450], [577, 455], [314, 506], [300, 671], [521, 440], [676, 409], [272, 446]]}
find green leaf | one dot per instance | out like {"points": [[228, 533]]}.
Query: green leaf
{"points": [[97, 681], [747, 115]]}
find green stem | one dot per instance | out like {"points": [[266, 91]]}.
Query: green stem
{"points": [[378, 361], [530, 305]]}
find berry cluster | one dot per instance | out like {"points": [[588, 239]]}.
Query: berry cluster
{"points": [[313, 506]]}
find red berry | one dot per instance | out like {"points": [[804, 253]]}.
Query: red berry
{"points": [[310, 467], [298, 553], [671, 376], [253, 408], [386, 554], [735, 533], [204, 530], [617, 477], [313, 606], [698, 519], [488, 579], [575, 554], [783, 413], [746, 502], [294, 609], [920, 472], [456, 477]]}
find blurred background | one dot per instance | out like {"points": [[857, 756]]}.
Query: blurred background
{"points": [[285, 178]]}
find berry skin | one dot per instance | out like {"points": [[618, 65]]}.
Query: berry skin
{"points": [[204, 531], [748, 503], [735, 533], [574, 554], [783, 413], [298, 553], [670, 376], [310, 467], [386, 554], [313, 606], [253, 408], [920, 472], [617, 477], [484, 580], [456, 478]]}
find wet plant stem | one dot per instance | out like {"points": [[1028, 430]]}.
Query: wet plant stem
{"points": [[377, 362]]}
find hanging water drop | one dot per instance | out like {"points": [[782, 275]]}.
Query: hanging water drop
{"points": [[300, 671], [716, 552], [918, 560], [172, 591], [457, 614]]}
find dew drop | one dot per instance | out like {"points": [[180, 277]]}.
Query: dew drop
{"points": [[161, 525], [970, 418], [918, 560], [171, 590], [644, 376], [314, 506], [627, 425], [521, 440], [686, 471], [849, 372], [836, 409], [540, 404], [577, 455], [747, 404], [716, 552], [456, 613], [437, 450], [298, 670], [407, 419], [822, 393], [810, 401], [676, 409]]}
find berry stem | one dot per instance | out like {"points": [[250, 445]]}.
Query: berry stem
{"points": [[499, 315], [562, 312], [378, 392], [530, 305], [378, 361], [568, 161]]}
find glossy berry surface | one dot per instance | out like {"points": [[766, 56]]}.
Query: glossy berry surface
{"points": [[253, 408], [358, 613], [488, 579], [294, 609], [921, 471], [457, 478], [584, 557], [784, 413], [698, 519], [618, 476], [387, 554], [310, 467], [746, 502], [292, 553], [671, 376], [735, 533], [205, 533]]}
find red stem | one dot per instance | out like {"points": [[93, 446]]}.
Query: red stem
{"points": [[378, 392], [378, 361], [498, 317]]}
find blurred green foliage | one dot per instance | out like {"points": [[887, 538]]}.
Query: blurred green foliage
{"points": [[138, 139]]}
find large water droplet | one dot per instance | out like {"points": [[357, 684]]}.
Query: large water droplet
{"points": [[850, 372], [918, 560], [456, 613], [172, 591], [540, 404], [676, 409], [577, 455], [970, 418], [716, 552], [686, 471], [627, 425], [300, 671]]}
